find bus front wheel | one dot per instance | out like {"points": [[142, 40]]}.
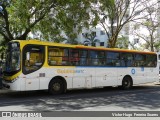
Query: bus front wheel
{"points": [[127, 83], [56, 86]]}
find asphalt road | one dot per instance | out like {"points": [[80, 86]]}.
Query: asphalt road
{"points": [[144, 97]]}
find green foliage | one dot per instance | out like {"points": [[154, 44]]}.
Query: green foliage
{"points": [[114, 15], [122, 42], [90, 38], [18, 18], [151, 25], [157, 46]]}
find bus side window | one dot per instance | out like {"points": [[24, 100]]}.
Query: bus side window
{"points": [[74, 57], [93, 58], [151, 60], [65, 55], [112, 59], [58, 56], [127, 59], [140, 60], [54, 56], [101, 58], [83, 57]]}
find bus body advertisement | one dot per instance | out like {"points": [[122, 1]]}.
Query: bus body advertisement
{"points": [[37, 65]]}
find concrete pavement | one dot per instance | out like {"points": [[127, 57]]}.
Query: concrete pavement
{"points": [[4, 91]]}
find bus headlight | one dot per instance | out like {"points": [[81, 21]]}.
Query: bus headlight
{"points": [[14, 79]]}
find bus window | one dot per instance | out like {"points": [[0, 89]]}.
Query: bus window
{"points": [[113, 59], [93, 58], [54, 56], [33, 58], [151, 60], [57, 56], [140, 60], [74, 57], [101, 58], [127, 59], [65, 56], [83, 57]]}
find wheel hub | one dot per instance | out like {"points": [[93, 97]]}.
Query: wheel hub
{"points": [[56, 87]]}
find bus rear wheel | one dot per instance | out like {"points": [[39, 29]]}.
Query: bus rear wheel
{"points": [[127, 83], [56, 86]]}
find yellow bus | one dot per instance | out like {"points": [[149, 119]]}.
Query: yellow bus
{"points": [[39, 65]]}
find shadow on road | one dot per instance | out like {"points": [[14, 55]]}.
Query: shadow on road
{"points": [[140, 97]]}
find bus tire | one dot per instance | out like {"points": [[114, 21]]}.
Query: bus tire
{"points": [[56, 86], [127, 83]]}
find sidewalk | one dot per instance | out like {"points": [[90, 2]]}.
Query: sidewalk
{"points": [[4, 91]]}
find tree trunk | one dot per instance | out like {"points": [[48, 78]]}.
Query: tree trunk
{"points": [[152, 47], [152, 44], [112, 41]]}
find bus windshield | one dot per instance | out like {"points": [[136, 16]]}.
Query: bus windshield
{"points": [[12, 59]]}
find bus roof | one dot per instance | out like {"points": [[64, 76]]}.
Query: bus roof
{"points": [[38, 42]]}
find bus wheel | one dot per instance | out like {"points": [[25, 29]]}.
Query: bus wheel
{"points": [[56, 86], [127, 83]]}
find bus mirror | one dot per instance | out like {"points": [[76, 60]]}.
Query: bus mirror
{"points": [[28, 55]]}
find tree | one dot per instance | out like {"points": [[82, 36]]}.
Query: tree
{"points": [[157, 46], [19, 18], [135, 45], [90, 39], [115, 15], [69, 21], [150, 24], [122, 42], [2, 49]]}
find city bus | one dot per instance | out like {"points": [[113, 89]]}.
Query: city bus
{"points": [[40, 65]]}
